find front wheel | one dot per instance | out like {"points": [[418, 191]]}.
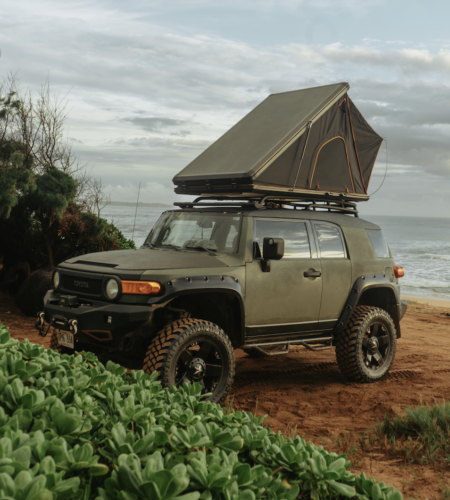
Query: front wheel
{"points": [[193, 350], [365, 350]]}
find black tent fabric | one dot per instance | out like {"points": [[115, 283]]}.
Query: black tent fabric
{"points": [[307, 142]]}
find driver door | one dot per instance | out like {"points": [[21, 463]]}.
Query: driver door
{"points": [[287, 299]]}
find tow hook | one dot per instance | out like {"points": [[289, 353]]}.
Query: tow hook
{"points": [[40, 324], [40, 321], [73, 325]]}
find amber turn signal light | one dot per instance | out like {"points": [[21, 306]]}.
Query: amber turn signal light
{"points": [[399, 271], [140, 287]]}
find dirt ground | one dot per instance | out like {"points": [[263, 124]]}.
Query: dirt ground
{"points": [[305, 390]]}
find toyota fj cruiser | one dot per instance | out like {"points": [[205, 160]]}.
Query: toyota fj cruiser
{"points": [[214, 275]]}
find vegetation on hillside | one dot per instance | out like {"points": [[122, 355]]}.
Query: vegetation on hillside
{"points": [[49, 205]]}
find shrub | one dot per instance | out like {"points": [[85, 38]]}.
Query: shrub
{"points": [[420, 434], [73, 428]]}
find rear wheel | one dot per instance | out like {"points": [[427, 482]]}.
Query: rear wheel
{"points": [[365, 350], [193, 350]]}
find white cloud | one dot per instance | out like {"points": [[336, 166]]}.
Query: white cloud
{"points": [[151, 192], [121, 68]]}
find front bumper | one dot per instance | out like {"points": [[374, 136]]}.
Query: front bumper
{"points": [[101, 321]]}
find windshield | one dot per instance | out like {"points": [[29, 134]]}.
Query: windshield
{"points": [[209, 232]]}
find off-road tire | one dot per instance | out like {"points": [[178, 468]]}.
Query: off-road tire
{"points": [[349, 352], [164, 350], [60, 348]]}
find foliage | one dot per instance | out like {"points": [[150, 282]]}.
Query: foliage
{"points": [[421, 434], [47, 200], [80, 233], [73, 428], [16, 177]]}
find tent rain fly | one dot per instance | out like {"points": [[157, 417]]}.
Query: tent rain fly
{"points": [[311, 142]]}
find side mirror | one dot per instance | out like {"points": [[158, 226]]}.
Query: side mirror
{"points": [[273, 249]]}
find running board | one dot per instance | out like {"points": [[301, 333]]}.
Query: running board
{"points": [[305, 342], [321, 348], [284, 351]]}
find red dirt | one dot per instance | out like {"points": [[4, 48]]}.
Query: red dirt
{"points": [[304, 389]]}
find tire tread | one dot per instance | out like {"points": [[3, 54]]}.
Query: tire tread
{"points": [[163, 347], [347, 357]]}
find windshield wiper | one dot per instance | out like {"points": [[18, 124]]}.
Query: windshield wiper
{"points": [[199, 247]]}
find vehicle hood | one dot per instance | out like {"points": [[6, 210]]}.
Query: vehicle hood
{"points": [[144, 259]]}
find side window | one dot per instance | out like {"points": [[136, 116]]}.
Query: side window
{"points": [[294, 234], [378, 243], [330, 242]]}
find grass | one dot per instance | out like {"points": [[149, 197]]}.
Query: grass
{"points": [[420, 436], [348, 444], [444, 490]]}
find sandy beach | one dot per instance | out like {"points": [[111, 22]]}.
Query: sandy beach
{"points": [[305, 390]]}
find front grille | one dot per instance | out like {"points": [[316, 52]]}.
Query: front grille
{"points": [[88, 286]]}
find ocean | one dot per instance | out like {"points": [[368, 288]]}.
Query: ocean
{"points": [[420, 244]]}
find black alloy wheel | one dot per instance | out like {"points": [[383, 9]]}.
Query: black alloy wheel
{"points": [[365, 350], [193, 350], [201, 362], [376, 345]]}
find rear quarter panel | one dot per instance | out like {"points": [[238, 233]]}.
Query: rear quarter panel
{"points": [[362, 255]]}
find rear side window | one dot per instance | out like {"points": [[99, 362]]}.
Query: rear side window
{"points": [[294, 234], [330, 241], [379, 244]]}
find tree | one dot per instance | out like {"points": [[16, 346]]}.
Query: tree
{"points": [[50, 204], [54, 190]]}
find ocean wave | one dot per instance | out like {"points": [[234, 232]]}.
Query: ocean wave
{"points": [[437, 257]]}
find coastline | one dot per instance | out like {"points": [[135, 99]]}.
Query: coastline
{"points": [[428, 301]]}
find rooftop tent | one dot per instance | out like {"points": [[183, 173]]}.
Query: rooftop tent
{"points": [[311, 142]]}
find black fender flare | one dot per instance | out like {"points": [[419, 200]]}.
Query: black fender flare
{"points": [[361, 285], [200, 284]]}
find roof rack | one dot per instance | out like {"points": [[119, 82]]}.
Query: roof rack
{"points": [[272, 202]]}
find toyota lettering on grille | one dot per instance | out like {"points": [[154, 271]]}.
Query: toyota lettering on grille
{"points": [[81, 284]]}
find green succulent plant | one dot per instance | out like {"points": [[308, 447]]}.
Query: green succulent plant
{"points": [[71, 427]]}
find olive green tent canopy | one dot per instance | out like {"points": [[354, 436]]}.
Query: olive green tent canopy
{"points": [[305, 142]]}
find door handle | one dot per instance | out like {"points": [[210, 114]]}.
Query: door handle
{"points": [[312, 274]]}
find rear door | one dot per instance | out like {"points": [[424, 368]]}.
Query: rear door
{"points": [[336, 272], [283, 301]]}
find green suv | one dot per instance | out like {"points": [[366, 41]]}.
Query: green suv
{"points": [[215, 275]]}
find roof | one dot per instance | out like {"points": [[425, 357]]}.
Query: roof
{"points": [[343, 220]]}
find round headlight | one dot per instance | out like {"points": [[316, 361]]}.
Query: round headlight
{"points": [[55, 280], [112, 289]]}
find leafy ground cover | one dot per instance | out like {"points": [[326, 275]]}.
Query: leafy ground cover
{"points": [[73, 428]]}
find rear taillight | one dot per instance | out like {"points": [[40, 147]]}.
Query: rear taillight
{"points": [[399, 271]]}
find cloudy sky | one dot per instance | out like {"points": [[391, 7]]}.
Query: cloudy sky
{"points": [[151, 84]]}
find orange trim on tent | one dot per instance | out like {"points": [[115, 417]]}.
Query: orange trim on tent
{"points": [[346, 154], [379, 147], [354, 142]]}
